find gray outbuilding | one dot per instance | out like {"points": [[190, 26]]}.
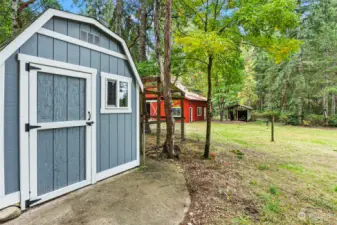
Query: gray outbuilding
{"points": [[69, 108]]}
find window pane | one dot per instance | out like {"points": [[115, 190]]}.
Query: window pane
{"points": [[111, 93], [123, 94], [176, 112]]}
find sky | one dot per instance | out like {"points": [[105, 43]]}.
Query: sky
{"points": [[68, 5]]}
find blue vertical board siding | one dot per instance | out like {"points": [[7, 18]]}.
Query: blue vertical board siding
{"points": [[45, 161], [113, 65], [121, 139], [85, 57], [113, 46], [50, 24], [82, 161], [73, 155], [45, 97], [30, 47], [113, 140], [73, 54], [120, 67], [73, 29], [128, 137], [60, 50], [45, 47], [62, 162], [105, 63], [73, 98], [61, 25], [60, 100], [60, 159], [105, 42], [11, 122], [105, 144]]}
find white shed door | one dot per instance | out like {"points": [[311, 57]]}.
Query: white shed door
{"points": [[60, 131]]}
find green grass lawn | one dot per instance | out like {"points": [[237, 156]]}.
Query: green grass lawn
{"points": [[294, 179]]}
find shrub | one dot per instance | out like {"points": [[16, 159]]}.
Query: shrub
{"points": [[333, 121], [315, 120]]}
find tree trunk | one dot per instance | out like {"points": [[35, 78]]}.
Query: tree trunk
{"points": [[14, 16], [209, 107], [333, 105], [118, 20], [284, 95], [157, 17], [326, 102], [272, 128], [167, 82], [142, 32]]}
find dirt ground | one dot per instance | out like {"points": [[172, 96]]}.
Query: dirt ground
{"points": [[153, 194], [233, 187]]}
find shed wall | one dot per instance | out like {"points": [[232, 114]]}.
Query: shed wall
{"points": [[116, 133]]}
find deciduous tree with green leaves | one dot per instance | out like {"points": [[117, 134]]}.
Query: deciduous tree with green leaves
{"points": [[209, 31]]}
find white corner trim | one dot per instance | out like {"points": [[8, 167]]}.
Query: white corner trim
{"points": [[138, 124], [93, 129], [24, 136], [2, 132], [57, 64], [79, 42], [104, 108], [47, 15], [116, 170], [10, 199]]}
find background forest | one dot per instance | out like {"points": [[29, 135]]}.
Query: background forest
{"points": [[275, 60]]}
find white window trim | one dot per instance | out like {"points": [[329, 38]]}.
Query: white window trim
{"points": [[109, 109], [179, 113], [199, 108]]}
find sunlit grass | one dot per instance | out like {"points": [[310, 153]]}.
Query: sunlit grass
{"points": [[295, 173]]}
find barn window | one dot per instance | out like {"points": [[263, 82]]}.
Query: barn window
{"points": [[176, 111], [115, 93], [199, 111]]}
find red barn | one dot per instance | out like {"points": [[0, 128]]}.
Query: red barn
{"points": [[194, 107]]}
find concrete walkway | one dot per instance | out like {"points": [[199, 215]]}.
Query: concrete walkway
{"points": [[156, 194]]}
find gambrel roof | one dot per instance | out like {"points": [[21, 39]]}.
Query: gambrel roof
{"points": [[37, 26]]}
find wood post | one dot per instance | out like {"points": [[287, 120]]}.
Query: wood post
{"points": [[182, 120], [272, 128], [158, 113]]}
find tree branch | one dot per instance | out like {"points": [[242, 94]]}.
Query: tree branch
{"points": [[24, 5]]}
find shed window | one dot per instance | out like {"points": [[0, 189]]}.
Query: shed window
{"points": [[111, 92], [123, 94], [199, 111], [176, 112], [115, 93]]}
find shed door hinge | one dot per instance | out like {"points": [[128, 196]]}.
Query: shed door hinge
{"points": [[30, 67], [28, 203], [28, 127]]}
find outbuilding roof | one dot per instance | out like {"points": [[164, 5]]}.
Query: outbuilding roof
{"points": [[239, 105], [13, 45]]}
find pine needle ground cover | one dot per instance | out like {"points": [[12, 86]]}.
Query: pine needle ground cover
{"points": [[250, 180]]}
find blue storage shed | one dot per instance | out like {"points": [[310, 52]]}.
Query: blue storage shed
{"points": [[69, 108]]}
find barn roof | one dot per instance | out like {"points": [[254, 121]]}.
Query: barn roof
{"points": [[15, 43], [188, 94]]}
